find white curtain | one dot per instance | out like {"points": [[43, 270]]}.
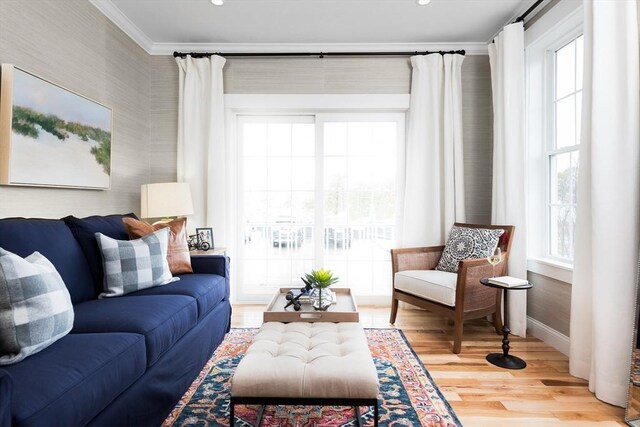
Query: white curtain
{"points": [[506, 56], [434, 182], [201, 140], [608, 217]]}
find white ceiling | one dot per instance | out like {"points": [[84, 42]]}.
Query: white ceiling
{"points": [[162, 25]]}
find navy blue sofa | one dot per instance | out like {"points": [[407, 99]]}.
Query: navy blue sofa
{"points": [[127, 360]]}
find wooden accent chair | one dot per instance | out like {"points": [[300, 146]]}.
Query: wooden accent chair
{"points": [[459, 296]]}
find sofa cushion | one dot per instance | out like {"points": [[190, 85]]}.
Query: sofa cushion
{"points": [[178, 250], [434, 285], [207, 289], [35, 306], [466, 242], [6, 390], [162, 319], [53, 239], [132, 265], [84, 230], [78, 376]]}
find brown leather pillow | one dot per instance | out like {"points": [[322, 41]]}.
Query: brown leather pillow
{"points": [[178, 250]]}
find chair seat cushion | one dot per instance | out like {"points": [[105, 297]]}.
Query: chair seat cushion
{"points": [[207, 289], [78, 376], [162, 319], [434, 285]]}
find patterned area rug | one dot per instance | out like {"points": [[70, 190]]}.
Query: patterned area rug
{"points": [[408, 395]]}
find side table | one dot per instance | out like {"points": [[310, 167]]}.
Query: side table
{"points": [[504, 359], [214, 251]]}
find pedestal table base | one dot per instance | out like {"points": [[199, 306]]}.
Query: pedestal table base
{"points": [[506, 361]]}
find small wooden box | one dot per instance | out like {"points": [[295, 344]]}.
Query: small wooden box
{"points": [[344, 310]]}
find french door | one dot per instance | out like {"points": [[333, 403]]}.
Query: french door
{"points": [[316, 190]]}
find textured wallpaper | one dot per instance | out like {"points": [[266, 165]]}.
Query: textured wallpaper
{"points": [[72, 44]]}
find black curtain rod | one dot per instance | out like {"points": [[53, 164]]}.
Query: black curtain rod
{"points": [[318, 54], [528, 11]]}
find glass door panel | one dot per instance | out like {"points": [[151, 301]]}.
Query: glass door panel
{"points": [[317, 191]]}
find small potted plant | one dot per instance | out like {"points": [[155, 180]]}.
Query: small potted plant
{"points": [[320, 280]]}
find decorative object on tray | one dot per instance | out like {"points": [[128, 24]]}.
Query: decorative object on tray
{"points": [[295, 300], [508, 281], [319, 281], [51, 136]]}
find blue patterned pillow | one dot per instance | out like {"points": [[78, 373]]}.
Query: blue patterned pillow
{"points": [[133, 265], [35, 306], [464, 243]]}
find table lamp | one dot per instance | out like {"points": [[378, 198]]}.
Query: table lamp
{"points": [[165, 200]]}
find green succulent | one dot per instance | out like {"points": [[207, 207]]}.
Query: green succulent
{"points": [[321, 278]]}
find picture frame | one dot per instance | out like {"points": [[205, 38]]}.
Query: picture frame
{"points": [[205, 238], [51, 136]]}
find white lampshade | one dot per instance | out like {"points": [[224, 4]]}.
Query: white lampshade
{"points": [[166, 199]]}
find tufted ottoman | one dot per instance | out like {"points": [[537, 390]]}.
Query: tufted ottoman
{"points": [[307, 364]]}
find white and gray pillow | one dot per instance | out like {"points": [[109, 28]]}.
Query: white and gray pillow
{"points": [[464, 243], [35, 306], [133, 265]]}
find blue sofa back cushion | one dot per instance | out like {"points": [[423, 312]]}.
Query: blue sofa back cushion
{"points": [[84, 230], [53, 239]]}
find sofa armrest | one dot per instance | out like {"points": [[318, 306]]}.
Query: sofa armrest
{"points": [[210, 264], [213, 264], [6, 390]]}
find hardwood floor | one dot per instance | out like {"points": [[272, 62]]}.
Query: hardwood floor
{"points": [[482, 395]]}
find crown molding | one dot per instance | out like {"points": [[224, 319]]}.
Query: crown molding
{"points": [[114, 14]]}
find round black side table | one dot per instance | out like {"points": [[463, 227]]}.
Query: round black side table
{"points": [[504, 359]]}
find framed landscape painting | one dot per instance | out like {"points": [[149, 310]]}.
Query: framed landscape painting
{"points": [[50, 136]]}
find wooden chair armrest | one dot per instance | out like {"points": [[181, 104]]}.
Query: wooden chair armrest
{"points": [[475, 294], [423, 258]]}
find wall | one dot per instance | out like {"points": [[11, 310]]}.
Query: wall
{"points": [[163, 118], [72, 44], [379, 75], [549, 302]]}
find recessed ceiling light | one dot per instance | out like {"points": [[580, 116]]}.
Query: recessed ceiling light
{"points": [[217, 2], [424, 2]]}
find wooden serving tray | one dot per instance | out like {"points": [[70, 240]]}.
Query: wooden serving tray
{"points": [[344, 310]]}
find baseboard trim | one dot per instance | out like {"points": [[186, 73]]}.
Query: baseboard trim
{"points": [[549, 335]]}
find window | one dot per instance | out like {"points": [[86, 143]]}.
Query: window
{"points": [[316, 191], [562, 153], [554, 52]]}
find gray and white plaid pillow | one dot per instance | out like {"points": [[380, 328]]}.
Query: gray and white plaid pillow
{"points": [[35, 306], [133, 265]]}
